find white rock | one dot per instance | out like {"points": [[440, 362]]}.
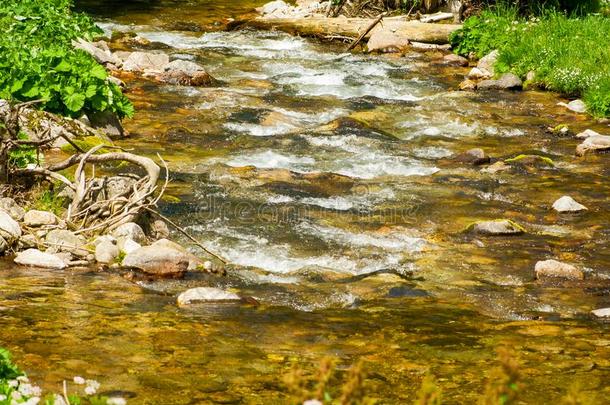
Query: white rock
{"points": [[141, 61], [602, 312], [61, 240], [12, 208], [273, 7], [36, 218], [555, 269], [131, 231], [158, 260], [36, 258], [9, 228], [205, 294], [568, 204], [128, 245], [106, 252], [486, 64], [575, 105], [593, 143], [586, 133], [478, 73]]}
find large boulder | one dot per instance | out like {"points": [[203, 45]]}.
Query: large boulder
{"points": [[507, 81], [593, 143], [158, 261], [145, 61], [12, 208], [195, 263], [568, 204], [206, 294], [501, 227], [555, 269], [36, 258], [10, 230], [37, 218]]}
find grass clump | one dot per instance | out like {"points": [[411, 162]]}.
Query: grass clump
{"points": [[38, 61], [567, 54]]}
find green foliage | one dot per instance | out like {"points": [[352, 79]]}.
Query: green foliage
{"points": [[37, 60], [8, 370], [22, 155], [49, 201], [565, 53]]}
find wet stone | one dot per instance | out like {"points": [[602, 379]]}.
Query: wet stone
{"points": [[500, 227], [568, 204], [601, 313], [556, 269], [36, 258]]}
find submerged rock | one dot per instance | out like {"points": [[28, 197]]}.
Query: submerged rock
{"points": [[556, 269], [568, 204], [507, 81], [475, 156], [158, 261], [10, 230], [593, 143], [36, 218], [499, 227], [12, 208], [36, 258], [206, 294]]}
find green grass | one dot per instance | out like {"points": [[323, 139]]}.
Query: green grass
{"points": [[567, 54]]}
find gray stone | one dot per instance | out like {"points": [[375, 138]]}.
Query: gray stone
{"points": [[9, 228], [507, 81], [475, 156], [61, 240], [131, 231], [273, 7], [488, 61], [12, 208], [36, 258], [108, 122], [104, 238], [184, 72], [27, 241], [141, 61], [587, 133], [106, 252], [36, 218], [593, 143], [496, 228], [194, 262], [159, 261], [577, 106], [601, 313], [477, 73], [568, 204], [205, 294], [99, 50], [159, 229], [555, 269], [467, 85], [455, 60]]}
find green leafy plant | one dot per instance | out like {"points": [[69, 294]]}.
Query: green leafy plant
{"points": [[38, 61]]}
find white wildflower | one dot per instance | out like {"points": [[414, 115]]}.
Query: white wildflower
{"points": [[59, 400], [16, 395], [92, 387], [32, 401], [13, 383], [90, 390], [2, 397], [116, 401], [23, 379], [312, 402], [79, 380]]}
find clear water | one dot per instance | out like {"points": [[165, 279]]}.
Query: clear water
{"points": [[323, 178]]}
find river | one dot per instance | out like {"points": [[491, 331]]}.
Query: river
{"points": [[325, 178]]}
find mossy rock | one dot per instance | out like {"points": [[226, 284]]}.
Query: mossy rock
{"points": [[86, 143], [531, 160]]}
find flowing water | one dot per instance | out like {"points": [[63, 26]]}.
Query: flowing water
{"points": [[325, 179]]}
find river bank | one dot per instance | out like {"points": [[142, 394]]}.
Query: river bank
{"points": [[338, 187]]}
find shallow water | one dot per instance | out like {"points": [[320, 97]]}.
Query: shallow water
{"points": [[324, 178]]}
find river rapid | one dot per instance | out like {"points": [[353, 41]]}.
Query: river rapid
{"points": [[325, 178]]}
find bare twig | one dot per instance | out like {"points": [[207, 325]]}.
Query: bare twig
{"points": [[366, 31]]}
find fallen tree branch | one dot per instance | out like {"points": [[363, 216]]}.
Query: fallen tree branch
{"points": [[365, 32]]}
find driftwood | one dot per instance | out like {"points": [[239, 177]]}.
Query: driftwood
{"points": [[365, 32], [322, 27]]}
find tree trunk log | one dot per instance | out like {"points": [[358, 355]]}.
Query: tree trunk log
{"points": [[353, 27]]}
